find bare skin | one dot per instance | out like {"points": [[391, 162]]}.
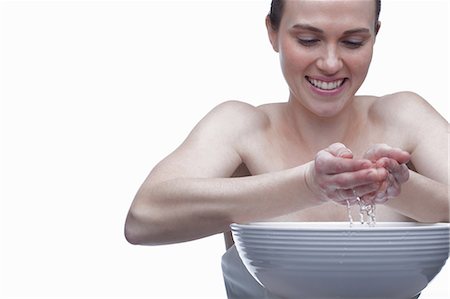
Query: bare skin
{"points": [[303, 159]]}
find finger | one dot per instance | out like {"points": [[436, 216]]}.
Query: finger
{"points": [[340, 150], [402, 174], [383, 187], [390, 188], [400, 171], [327, 163], [388, 163], [394, 188], [351, 201], [368, 200], [380, 198], [371, 194], [366, 190], [366, 193], [379, 151], [351, 180], [342, 195]]}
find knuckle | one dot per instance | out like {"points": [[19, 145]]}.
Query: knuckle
{"points": [[319, 164], [336, 145], [321, 153]]}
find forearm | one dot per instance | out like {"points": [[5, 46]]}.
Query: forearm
{"points": [[184, 209], [422, 199]]}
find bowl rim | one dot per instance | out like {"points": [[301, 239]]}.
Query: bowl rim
{"points": [[337, 226]]}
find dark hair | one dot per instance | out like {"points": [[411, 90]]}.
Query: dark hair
{"points": [[276, 12]]}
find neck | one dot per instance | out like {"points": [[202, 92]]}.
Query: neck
{"points": [[319, 132]]}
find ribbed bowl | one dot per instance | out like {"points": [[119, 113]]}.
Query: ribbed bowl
{"points": [[331, 260]]}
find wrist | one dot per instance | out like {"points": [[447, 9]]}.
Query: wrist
{"points": [[311, 184]]}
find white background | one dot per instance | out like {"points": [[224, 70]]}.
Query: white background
{"points": [[95, 93]]}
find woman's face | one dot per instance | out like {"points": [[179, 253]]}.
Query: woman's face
{"points": [[325, 50]]}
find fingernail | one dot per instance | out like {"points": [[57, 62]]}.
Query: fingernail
{"points": [[345, 153]]}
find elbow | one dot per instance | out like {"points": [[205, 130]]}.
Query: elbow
{"points": [[146, 224], [131, 231], [140, 230], [131, 238], [141, 226]]}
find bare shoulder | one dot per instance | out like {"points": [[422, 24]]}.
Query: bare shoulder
{"points": [[404, 107], [213, 147], [233, 117], [240, 111], [408, 119], [404, 100]]}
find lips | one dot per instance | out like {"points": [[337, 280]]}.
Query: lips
{"points": [[325, 85]]}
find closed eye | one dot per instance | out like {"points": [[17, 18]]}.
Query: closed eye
{"points": [[308, 42], [353, 44]]}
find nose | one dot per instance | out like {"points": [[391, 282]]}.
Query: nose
{"points": [[330, 62]]}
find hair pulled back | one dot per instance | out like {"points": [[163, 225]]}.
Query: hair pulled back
{"points": [[276, 12]]}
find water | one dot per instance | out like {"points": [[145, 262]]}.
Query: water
{"points": [[366, 213], [349, 213]]}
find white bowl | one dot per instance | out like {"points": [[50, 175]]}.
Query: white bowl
{"points": [[331, 260]]}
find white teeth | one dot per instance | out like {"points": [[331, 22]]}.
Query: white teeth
{"points": [[326, 85]]}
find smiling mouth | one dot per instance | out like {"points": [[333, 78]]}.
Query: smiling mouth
{"points": [[325, 85]]}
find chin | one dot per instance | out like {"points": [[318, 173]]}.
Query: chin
{"points": [[328, 109], [326, 113]]}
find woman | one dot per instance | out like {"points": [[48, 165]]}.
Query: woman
{"points": [[303, 159]]}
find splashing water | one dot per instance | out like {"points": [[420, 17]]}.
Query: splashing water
{"points": [[349, 213], [369, 210], [366, 213]]}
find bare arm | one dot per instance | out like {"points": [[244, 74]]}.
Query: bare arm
{"points": [[183, 209], [190, 194], [424, 196], [423, 199]]}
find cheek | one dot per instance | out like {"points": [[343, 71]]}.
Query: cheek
{"points": [[359, 63], [293, 58]]}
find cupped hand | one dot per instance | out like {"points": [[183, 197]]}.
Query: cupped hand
{"points": [[393, 160], [336, 176]]}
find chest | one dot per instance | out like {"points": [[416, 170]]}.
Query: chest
{"points": [[275, 151]]}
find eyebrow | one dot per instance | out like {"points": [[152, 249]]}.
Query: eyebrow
{"points": [[317, 30], [356, 30], [307, 27]]}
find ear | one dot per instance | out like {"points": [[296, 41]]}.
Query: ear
{"points": [[273, 34], [377, 27]]}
